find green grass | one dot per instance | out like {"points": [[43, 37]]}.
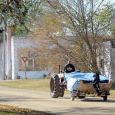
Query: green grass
{"points": [[41, 84], [113, 86], [7, 113], [112, 92]]}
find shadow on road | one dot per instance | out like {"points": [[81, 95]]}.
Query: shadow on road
{"points": [[98, 100], [91, 99]]}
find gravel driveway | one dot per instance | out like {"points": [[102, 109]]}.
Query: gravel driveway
{"points": [[42, 101]]}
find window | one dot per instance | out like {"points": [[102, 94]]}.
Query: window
{"points": [[113, 43]]}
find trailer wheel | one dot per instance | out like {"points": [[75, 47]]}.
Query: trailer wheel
{"points": [[80, 94], [81, 97], [105, 98], [55, 87]]}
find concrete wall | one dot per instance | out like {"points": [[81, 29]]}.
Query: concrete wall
{"points": [[17, 43], [113, 64], [32, 74]]}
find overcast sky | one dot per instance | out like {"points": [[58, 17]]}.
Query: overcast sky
{"points": [[111, 1]]}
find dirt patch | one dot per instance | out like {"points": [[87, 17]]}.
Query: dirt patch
{"points": [[13, 110]]}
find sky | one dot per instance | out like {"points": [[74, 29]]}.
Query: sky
{"points": [[111, 1]]}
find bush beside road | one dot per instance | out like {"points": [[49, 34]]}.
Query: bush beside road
{"points": [[13, 110]]}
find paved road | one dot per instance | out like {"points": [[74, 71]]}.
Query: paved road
{"points": [[63, 106]]}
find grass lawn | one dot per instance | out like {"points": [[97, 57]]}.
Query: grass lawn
{"points": [[41, 85], [112, 92]]}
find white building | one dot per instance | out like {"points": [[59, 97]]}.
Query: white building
{"points": [[107, 59]]}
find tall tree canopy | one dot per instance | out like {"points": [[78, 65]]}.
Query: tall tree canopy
{"points": [[90, 22], [17, 12]]}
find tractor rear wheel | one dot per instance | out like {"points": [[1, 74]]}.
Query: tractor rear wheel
{"points": [[55, 87]]}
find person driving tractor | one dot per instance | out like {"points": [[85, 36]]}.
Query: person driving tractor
{"points": [[69, 67]]}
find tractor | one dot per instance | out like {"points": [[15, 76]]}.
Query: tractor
{"points": [[58, 84]]}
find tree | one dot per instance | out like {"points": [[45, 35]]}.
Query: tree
{"points": [[14, 13], [49, 53], [89, 21], [17, 12]]}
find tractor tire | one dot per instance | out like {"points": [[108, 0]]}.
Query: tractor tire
{"points": [[55, 87]]}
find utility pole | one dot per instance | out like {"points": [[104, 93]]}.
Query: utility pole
{"points": [[33, 64]]}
